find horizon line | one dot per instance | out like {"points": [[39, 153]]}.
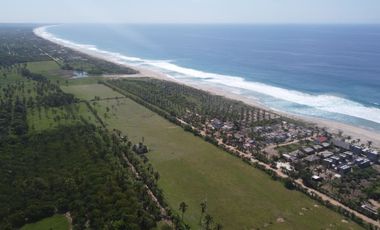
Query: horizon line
{"points": [[191, 23]]}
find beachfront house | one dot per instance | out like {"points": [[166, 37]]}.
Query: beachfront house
{"points": [[372, 155], [362, 162], [349, 154], [312, 159], [216, 123], [369, 209], [335, 159], [326, 145], [318, 148], [344, 169], [328, 162], [356, 149], [320, 139], [308, 150], [228, 126], [341, 144], [325, 154], [292, 156]]}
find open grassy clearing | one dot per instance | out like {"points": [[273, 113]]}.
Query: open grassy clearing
{"points": [[85, 80], [42, 118], [238, 195], [81, 91], [22, 87], [288, 148], [43, 67], [9, 76], [57, 222], [26, 91], [50, 69]]}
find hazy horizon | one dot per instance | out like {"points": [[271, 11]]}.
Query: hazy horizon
{"points": [[192, 12]]}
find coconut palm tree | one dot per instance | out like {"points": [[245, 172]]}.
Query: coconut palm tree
{"points": [[183, 207], [218, 227], [203, 209], [208, 221]]}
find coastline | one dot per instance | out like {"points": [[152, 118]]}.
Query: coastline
{"points": [[332, 126]]}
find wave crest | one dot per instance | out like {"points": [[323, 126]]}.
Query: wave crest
{"points": [[323, 102]]}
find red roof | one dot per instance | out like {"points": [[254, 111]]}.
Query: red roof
{"points": [[321, 139]]}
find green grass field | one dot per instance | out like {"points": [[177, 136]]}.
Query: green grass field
{"points": [[9, 76], [288, 148], [57, 222], [81, 91], [49, 69], [238, 195], [43, 67], [49, 118]]}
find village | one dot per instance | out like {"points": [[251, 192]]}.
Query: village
{"points": [[330, 159]]}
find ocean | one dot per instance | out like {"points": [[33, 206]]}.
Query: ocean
{"points": [[324, 71]]}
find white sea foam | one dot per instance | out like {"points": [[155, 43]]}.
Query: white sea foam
{"points": [[323, 102]]}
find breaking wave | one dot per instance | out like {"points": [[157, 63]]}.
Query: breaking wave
{"points": [[322, 102]]}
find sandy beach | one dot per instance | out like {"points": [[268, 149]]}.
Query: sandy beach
{"points": [[332, 126]]}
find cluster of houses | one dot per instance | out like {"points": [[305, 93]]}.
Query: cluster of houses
{"points": [[325, 155], [321, 153], [335, 155], [231, 134], [249, 137], [332, 154], [286, 132]]}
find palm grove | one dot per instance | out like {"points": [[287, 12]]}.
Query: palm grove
{"points": [[77, 167]]}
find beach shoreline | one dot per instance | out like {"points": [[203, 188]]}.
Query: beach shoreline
{"points": [[332, 126]]}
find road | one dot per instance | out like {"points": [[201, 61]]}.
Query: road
{"points": [[164, 214], [281, 174]]}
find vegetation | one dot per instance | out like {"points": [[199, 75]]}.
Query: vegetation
{"points": [[288, 148], [43, 118], [56, 222], [192, 105], [59, 155], [235, 126], [75, 169], [18, 44], [192, 171], [56, 157]]}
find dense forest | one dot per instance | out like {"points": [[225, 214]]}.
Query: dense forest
{"points": [[77, 167], [74, 169], [18, 44], [192, 105]]}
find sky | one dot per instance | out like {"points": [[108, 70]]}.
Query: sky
{"points": [[190, 11]]}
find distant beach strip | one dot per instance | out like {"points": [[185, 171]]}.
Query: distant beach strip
{"points": [[321, 107]]}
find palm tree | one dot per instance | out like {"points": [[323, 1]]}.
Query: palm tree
{"points": [[203, 209], [218, 227], [183, 207], [208, 221]]}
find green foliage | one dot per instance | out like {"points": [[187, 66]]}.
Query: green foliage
{"points": [[192, 170], [192, 105], [18, 44], [288, 183], [56, 222], [74, 169], [78, 167], [288, 148]]}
